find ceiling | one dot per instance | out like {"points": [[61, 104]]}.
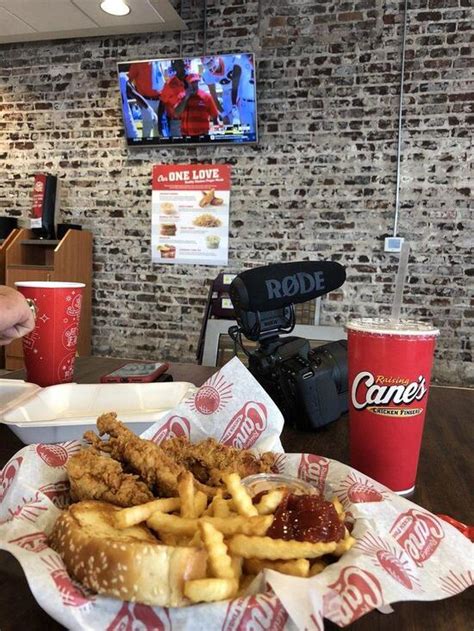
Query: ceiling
{"points": [[30, 20]]}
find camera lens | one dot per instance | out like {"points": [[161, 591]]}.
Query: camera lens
{"points": [[334, 356]]}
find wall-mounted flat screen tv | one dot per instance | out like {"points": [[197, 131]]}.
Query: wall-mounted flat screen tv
{"points": [[209, 100]]}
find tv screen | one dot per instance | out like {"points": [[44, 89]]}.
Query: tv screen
{"points": [[209, 99]]}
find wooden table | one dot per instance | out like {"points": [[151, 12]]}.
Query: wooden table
{"points": [[445, 483]]}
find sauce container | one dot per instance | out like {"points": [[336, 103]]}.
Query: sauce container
{"points": [[269, 481]]}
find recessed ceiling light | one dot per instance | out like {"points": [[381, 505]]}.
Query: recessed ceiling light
{"points": [[115, 7]]}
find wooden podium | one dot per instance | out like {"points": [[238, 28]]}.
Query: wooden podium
{"points": [[69, 259]]}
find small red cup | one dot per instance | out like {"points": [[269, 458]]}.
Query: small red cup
{"points": [[389, 378], [50, 349]]}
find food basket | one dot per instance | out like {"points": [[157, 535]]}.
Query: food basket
{"points": [[402, 552]]}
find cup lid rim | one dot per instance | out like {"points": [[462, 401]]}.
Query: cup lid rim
{"points": [[386, 326], [43, 284]]}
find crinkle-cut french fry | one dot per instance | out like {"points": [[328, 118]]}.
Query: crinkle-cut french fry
{"points": [[127, 517], [245, 581], [184, 541], [339, 508], [270, 502], [210, 589], [344, 544], [200, 503], [162, 522], [317, 567], [277, 549], [245, 525], [196, 541], [294, 567], [221, 508], [219, 561], [237, 564], [210, 509], [242, 500], [169, 538], [186, 494]]}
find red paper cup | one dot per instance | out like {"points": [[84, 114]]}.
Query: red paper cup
{"points": [[50, 349], [389, 378]]}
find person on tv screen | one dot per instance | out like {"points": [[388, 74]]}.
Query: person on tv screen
{"points": [[246, 93], [235, 76], [146, 80], [196, 109], [127, 109], [219, 71], [173, 92]]}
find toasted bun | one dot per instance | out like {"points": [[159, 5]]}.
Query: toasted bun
{"points": [[130, 564]]}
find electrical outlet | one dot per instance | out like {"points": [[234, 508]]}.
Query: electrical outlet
{"points": [[393, 244]]}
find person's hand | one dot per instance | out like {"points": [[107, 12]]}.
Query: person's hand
{"points": [[16, 317], [153, 115]]}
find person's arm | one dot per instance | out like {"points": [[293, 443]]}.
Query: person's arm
{"points": [[213, 93], [179, 109], [161, 112], [236, 74], [16, 317], [141, 102], [213, 111]]}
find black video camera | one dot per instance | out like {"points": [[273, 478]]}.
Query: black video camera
{"points": [[308, 385]]}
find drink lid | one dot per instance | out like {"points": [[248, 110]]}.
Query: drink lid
{"points": [[387, 326]]}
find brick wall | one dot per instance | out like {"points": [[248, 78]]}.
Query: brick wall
{"points": [[320, 184]]}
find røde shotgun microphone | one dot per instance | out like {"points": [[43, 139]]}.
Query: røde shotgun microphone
{"points": [[282, 284]]}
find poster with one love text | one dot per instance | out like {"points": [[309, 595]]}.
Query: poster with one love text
{"points": [[190, 214]]}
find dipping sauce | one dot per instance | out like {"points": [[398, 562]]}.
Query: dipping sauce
{"points": [[306, 518]]}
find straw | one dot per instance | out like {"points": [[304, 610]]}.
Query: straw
{"points": [[400, 281]]}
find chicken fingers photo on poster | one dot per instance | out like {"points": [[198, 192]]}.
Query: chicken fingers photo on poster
{"points": [[190, 214]]}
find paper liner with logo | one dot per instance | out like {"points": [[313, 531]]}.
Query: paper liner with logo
{"points": [[403, 552], [50, 349]]}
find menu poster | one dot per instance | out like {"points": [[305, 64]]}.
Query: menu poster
{"points": [[190, 214]]}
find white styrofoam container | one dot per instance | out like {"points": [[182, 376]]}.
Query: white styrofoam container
{"points": [[64, 412]]}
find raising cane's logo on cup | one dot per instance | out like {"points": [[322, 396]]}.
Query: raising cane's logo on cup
{"points": [[70, 336], [389, 369], [418, 533], [262, 612], [359, 591], [246, 426], [387, 396]]}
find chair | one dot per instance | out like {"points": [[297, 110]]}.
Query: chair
{"points": [[219, 309]]}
